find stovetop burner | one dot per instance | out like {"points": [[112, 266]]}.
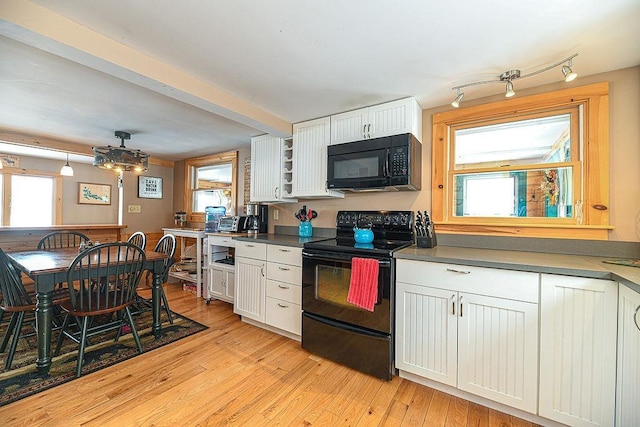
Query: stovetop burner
{"points": [[392, 230]]}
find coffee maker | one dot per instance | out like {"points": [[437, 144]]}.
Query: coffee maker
{"points": [[257, 218]]}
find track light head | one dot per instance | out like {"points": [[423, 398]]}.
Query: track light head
{"points": [[568, 73], [456, 102], [509, 92]]}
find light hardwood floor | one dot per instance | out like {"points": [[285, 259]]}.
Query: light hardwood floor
{"points": [[235, 373]]}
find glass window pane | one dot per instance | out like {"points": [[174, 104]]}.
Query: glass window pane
{"points": [[213, 176], [31, 201], [546, 193], [532, 141], [204, 198]]}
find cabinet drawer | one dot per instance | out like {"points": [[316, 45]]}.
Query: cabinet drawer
{"points": [[284, 273], [251, 250], [284, 291], [284, 315], [516, 285], [226, 241], [284, 254]]}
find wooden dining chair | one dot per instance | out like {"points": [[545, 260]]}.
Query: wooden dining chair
{"points": [[139, 239], [105, 279], [166, 245], [19, 302], [62, 239]]}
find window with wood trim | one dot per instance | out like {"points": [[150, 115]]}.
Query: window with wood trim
{"points": [[210, 181], [535, 166], [30, 198]]}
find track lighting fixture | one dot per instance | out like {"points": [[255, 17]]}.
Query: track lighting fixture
{"points": [[509, 76], [66, 170]]}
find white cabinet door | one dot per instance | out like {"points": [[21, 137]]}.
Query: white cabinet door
{"points": [[250, 288], [578, 350], [216, 279], [266, 168], [394, 118], [221, 284], [310, 141], [349, 126], [628, 388], [498, 350], [390, 118], [426, 332]]}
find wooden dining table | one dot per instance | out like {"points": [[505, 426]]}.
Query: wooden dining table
{"points": [[47, 268]]}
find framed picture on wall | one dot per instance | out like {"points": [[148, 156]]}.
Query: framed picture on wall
{"points": [[149, 187], [94, 194]]}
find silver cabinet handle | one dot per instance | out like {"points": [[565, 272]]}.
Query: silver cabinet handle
{"points": [[282, 305], [249, 245], [453, 304], [460, 305], [458, 271], [364, 131], [635, 317], [283, 268], [369, 130], [275, 193], [262, 270], [284, 250], [283, 287]]}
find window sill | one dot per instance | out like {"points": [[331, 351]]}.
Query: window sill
{"points": [[562, 231]]}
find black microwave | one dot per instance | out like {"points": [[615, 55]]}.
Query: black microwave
{"points": [[386, 163]]}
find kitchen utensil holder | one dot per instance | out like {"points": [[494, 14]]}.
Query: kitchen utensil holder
{"points": [[305, 229], [427, 241]]}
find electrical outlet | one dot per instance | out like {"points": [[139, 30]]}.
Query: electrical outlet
{"points": [[275, 214], [134, 209]]}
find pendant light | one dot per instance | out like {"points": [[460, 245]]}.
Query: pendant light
{"points": [[120, 159], [66, 170]]}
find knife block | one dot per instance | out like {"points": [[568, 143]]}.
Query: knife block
{"points": [[426, 241]]}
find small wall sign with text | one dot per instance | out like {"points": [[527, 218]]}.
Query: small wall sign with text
{"points": [[149, 187]]}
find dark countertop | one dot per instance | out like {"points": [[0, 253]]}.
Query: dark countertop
{"points": [[278, 239], [570, 265]]}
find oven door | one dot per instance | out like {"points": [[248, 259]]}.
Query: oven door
{"points": [[325, 286]]}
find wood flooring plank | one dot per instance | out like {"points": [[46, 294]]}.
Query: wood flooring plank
{"points": [[418, 407], [457, 413], [438, 409], [381, 402], [478, 415]]}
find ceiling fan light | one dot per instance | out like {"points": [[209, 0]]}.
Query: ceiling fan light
{"points": [[120, 158]]}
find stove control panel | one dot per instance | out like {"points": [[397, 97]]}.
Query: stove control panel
{"points": [[391, 220]]}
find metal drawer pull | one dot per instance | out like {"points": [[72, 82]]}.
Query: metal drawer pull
{"points": [[284, 250], [460, 306], [282, 305], [453, 304], [249, 245], [262, 270], [453, 270], [283, 268], [283, 287], [635, 317]]}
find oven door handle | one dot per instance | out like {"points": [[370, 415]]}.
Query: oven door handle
{"points": [[348, 258]]}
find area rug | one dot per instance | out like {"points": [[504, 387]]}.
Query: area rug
{"points": [[24, 380]]}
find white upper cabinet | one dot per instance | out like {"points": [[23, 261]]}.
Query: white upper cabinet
{"points": [[271, 159], [391, 118], [310, 141]]}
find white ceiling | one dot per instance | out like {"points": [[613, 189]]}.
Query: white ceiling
{"points": [[287, 60]]}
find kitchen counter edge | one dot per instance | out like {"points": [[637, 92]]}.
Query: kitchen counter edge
{"points": [[568, 265], [279, 239]]}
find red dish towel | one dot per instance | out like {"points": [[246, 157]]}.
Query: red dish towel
{"points": [[363, 287]]}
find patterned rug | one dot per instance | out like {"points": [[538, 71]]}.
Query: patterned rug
{"points": [[24, 380]]}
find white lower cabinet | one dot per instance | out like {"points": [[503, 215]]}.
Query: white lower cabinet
{"points": [[269, 285], [221, 283], [284, 288], [469, 327], [251, 280], [578, 350], [628, 385]]}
